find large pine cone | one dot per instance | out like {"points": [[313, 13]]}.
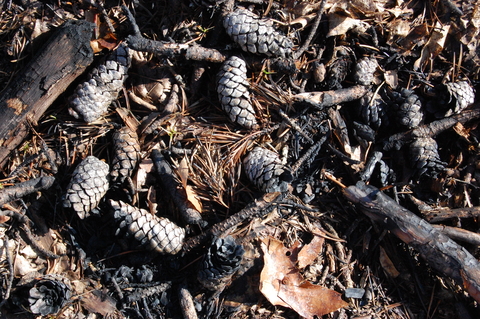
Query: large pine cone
{"points": [[424, 156], [266, 171], [155, 233], [92, 98], [256, 35], [126, 151], [233, 92], [220, 263], [409, 108], [49, 294], [88, 185]]}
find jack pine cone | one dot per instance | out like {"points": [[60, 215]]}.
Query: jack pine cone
{"points": [[266, 171], [424, 156], [373, 110], [126, 151], [88, 185], [92, 98], [220, 263], [463, 95], [49, 295], [233, 92], [156, 233], [256, 35], [408, 108], [364, 71]]}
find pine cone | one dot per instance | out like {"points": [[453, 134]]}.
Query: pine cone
{"points": [[233, 92], [266, 171], [373, 110], [92, 98], [49, 295], [156, 233], [126, 152], [424, 156], [408, 108], [256, 35], [364, 71], [220, 263], [463, 95], [88, 185]]}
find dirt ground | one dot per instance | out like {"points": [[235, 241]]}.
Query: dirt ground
{"points": [[380, 92]]}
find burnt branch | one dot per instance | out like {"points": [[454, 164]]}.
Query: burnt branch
{"points": [[441, 253], [324, 99], [25, 188]]}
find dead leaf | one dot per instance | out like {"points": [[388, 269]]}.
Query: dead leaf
{"points": [[462, 131], [434, 45], [283, 285], [340, 25], [4, 219], [310, 252], [387, 264], [183, 172], [193, 198], [391, 78], [97, 302]]}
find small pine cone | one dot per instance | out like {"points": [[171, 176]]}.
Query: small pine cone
{"points": [[233, 92], [49, 295], [266, 171], [92, 98], [256, 35], [462, 93], [408, 108], [156, 233], [364, 71], [424, 156], [220, 263], [88, 185], [373, 110], [126, 152]]}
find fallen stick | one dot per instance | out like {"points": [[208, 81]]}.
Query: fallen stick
{"points": [[324, 99], [64, 57], [22, 189], [459, 234], [445, 213], [441, 252]]}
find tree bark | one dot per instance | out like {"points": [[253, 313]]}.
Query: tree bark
{"points": [[64, 57]]}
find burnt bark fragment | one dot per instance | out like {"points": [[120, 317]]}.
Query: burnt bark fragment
{"points": [[441, 253]]}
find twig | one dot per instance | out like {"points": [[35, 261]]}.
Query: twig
{"points": [[459, 234], [445, 213], [441, 253], [295, 126], [430, 130], [311, 153], [313, 31], [257, 208], [25, 188], [322, 100]]}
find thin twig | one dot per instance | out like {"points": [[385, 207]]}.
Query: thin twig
{"points": [[313, 31]]}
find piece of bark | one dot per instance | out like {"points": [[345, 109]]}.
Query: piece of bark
{"points": [[64, 57], [22, 189], [441, 252], [324, 99], [445, 213]]}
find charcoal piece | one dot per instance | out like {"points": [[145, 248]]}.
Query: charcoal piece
{"points": [[92, 97], [364, 71], [266, 171], [233, 92], [158, 234], [424, 156], [373, 110], [462, 93], [49, 295], [220, 262], [408, 108], [256, 35], [88, 185], [126, 154]]}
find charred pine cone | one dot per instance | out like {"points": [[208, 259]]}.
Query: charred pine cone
{"points": [[49, 295], [155, 233], [92, 98], [126, 152], [424, 156], [256, 35], [462, 93], [233, 92], [266, 171], [88, 185], [220, 263], [373, 110], [364, 71], [408, 108]]}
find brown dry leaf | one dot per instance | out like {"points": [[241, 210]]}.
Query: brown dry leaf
{"points": [[109, 42], [434, 45], [193, 198], [414, 37], [462, 131], [391, 78], [183, 172], [387, 264], [310, 252], [340, 25], [4, 219], [97, 302], [283, 285]]}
